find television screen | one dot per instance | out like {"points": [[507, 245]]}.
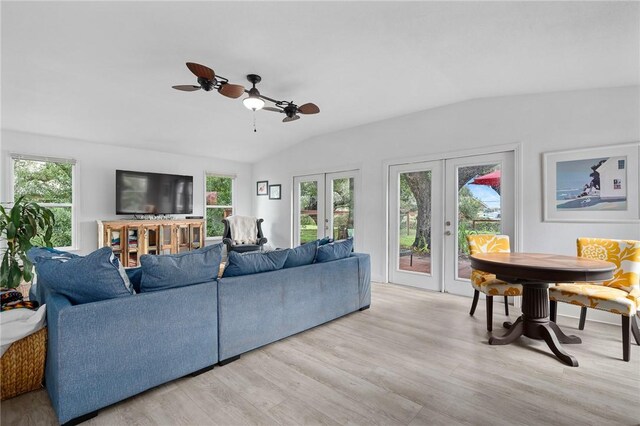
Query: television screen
{"points": [[153, 193]]}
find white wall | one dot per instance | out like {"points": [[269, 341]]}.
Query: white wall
{"points": [[95, 174], [541, 123]]}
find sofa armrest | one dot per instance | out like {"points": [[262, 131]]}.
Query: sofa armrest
{"points": [[364, 278], [103, 352]]}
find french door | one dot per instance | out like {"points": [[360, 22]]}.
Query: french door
{"points": [[479, 199], [434, 205], [416, 197], [324, 205]]}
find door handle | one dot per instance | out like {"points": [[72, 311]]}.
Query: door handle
{"points": [[447, 233], [447, 223]]}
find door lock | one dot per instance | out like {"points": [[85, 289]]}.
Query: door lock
{"points": [[448, 223], [447, 233]]}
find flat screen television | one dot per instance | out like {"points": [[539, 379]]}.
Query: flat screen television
{"points": [[153, 193]]}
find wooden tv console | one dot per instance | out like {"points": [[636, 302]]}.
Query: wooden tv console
{"points": [[130, 239]]}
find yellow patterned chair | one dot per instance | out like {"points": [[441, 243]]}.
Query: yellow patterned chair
{"points": [[621, 295], [488, 283]]}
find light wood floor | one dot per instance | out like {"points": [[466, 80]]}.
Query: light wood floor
{"points": [[414, 358]]}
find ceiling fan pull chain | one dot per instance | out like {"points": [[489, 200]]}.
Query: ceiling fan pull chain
{"points": [[254, 121]]}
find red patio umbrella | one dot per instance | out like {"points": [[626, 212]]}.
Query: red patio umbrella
{"points": [[490, 179]]}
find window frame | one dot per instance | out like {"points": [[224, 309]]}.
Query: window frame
{"points": [[204, 201], [74, 190]]}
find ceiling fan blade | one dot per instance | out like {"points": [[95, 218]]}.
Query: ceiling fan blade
{"points": [[309, 108], [187, 88], [272, 109], [201, 71], [233, 91], [288, 119]]}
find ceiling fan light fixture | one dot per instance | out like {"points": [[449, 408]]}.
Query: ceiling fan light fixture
{"points": [[253, 102]]}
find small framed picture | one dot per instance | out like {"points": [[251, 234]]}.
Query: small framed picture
{"points": [[274, 192], [262, 187]]}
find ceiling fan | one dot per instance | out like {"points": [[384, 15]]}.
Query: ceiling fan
{"points": [[291, 110], [208, 80], [255, 101]]}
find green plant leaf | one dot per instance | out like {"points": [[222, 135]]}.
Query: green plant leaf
{"points": [[15, 275], [11, 231]]}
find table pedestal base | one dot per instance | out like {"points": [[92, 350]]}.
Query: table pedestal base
{"points": [[534, 323]]}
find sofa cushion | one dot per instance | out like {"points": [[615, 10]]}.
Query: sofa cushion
{"points": [[324, 241], [36, 252], [254, 262], [135, 277], [97, 276], [301, 255], [334, 251], [161, 272]]}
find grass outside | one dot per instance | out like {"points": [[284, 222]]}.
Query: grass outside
{"points": [[308, 233], [407, 240]]}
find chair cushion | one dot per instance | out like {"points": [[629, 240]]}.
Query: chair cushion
{"points": [[301, 255], [334, 251], [487, 283], [488, 243], [97, 276], [625, 254], [176, 270], [254, 262], [596, 296]]}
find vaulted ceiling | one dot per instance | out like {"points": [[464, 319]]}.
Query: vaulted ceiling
{"points": [[103, 71]]}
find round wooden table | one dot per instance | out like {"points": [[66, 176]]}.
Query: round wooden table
{"points": [[535, 271]]}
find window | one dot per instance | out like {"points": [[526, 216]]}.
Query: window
{"points": [[620, 164], [48, 182], [218, 203]]}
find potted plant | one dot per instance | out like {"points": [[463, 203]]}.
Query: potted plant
{"points": [[19, 226]]}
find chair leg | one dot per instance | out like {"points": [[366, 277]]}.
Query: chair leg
{"points": [[626, 338], [553, 309], [635, 329], [583, 317], [474, 304], [489, 300], [506, 305]]}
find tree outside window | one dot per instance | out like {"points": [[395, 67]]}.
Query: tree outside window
{"points": [[50, 184], [218, 203]]}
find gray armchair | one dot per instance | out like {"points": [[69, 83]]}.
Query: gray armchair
{"points": [[230, 241]]}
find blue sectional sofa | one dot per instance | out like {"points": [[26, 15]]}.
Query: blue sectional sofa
{"points": [[254, 310], [102, 352]]}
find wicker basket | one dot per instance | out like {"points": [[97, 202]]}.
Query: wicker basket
{"points": [[22, 365]]}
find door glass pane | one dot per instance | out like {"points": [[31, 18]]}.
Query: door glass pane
{"points": [[342, 208], [308, 214], [414, 233], [479, 208]]}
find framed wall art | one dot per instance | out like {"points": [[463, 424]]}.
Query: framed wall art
{"points": [[592, 185], [262, 187], [274, 192]]}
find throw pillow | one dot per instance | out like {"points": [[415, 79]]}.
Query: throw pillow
{"points": [[135, 277], [301, 255], [177, 270], [97, 276], [36, 252], [325, 240], [334, 251], [254, 262]]}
